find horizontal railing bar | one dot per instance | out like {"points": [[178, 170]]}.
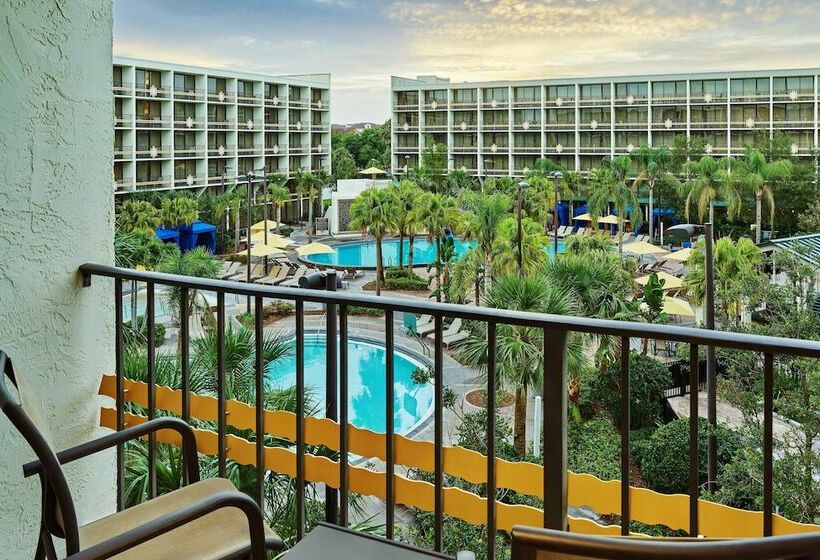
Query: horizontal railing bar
{"points": [[705, 337]]}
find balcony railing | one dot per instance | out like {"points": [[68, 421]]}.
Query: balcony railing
{"points": [[153, 92], [806, 123], [153, 182], [123, 121], [153, 152], [121, 152], [551, 483], [276, 125], [255, 149], [527, 149], [221, 151], [524, 126], [123, 89], [190, 123], [249, 99], [406, 107], [189, 94], [221, 125], [406, 149], [153, 121], [188, 151], [559, 126], [221, 96], [463, 149], [189, 180], [560, 102], [675, 100], [587, 102], [632, 125]]}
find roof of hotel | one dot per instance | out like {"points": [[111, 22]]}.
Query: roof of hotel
{"points": [[807, 247]]}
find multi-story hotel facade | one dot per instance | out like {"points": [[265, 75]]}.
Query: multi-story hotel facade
{"points": [[502, 128], [186, 127]]}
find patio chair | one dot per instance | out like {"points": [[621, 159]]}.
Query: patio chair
{"points": [[229, 269], [276, 276], [529, 543], [293, 282], [454, 327], [207, 519]]}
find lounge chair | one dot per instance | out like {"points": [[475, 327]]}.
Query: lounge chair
{"points": [[207, 519], [277, 275], [628, 237], [425, 325], [449, 335], [293, 282], [456, 338], [257, 272], [229, 269]]}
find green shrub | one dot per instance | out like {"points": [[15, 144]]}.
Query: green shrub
{"points": [[594, 447], [139, 337], [246, 320], [414, 284], [396, 272], [285, 230], [278, 308], [369, 311], [648, 379], [665, 461]]}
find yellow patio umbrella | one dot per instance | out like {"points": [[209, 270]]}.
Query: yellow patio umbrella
{"points": [[264, 224], [262, 250], [683, 255], [643, 248], [670, 282], [612, 219], [274, 240], [373, 171], [677, 306], [583, 218], [314, 249]]}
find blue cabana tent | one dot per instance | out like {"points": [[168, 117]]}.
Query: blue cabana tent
{"points": [[168, 235], [198, 234], [563, 214]]}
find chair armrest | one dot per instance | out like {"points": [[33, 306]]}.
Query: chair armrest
{"points": [[189, 451], [171, 521]]}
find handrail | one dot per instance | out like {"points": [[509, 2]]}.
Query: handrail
{"points": [[740, 341]]}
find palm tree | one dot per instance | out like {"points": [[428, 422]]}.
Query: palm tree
{"points": [[138, 215], [404, 198], [179, 210], [307, 184], [520, 350], [371, 213], [441, 214], [759, 177], [484, 213], [505, 248], [459, 181], [238, 205], [710, 180], [610, 185], [735, 264], [279, 195], [654, 165]]}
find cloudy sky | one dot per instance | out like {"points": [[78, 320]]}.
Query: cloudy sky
{"points": [[363, 42]]}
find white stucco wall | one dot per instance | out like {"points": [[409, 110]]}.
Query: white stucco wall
{"points": [[56, 212]]}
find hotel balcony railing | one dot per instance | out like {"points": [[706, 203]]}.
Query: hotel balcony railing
{"points": [[599, 125], [190, 94], [299, 103], [560, 102], [524, 126], [406, 149], [522, 103], [635, 101], [221, 125], [552, 483], [463, 149], [495, 149], [189, 180], [221, 96], [189, 151], [497, 172], [275, 101], [675, 100], [319, 127], [603, 101], [189, 123], [559, 126], [153, 152], [464, 126], [249, 99], [751, 98], [153, 121], [149, 182], [709, 99], [526, 149], [122, 153], [123, 184], [320, 105], [320, 149], [406, 127], [631, 125], [298, 126], [301, 149], [793, 95], [255, 149], [495, 126], [805, 123], [122, 89], [708, 124], [744, 124], [275, 150], [221, 151], [276, 125], [564, 149], [672, 125], [464, 169], [123, 121], [463, 105], [594, 149], [434, 127], [406, 107], [153, 92], [720, 150], [435, 105]]}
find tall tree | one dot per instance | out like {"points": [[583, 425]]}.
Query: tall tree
{"points": [[484, 213], [371, 213], [138, 215], [179, 210], [654, 166], [308, 184], [709, 180], [278, 194], [441, 215], [405, 197], [760, 178], [611, 185]]}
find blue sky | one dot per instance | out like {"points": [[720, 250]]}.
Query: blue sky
{"points": [[363, 42]]}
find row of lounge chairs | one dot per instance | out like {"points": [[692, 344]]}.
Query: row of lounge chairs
{"points": [[451, 336], [285, 273], [568, 231]]}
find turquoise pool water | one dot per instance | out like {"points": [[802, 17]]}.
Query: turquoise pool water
{"points": [[366, 383], [362, 254]]}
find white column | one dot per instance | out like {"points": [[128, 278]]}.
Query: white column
{"points": [[577, 128], [536, 426]]}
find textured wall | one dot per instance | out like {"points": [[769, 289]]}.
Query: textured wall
{"points": [[56, 211]]}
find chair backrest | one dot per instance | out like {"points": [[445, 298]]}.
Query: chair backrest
{"points": [[58, 506], [529, 543]]}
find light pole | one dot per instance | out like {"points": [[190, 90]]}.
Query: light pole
{"points": [[521, 186], [556, 180], [711, 361], [250, 176]]}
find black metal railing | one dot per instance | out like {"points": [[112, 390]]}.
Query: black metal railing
{"points": [[556, 329]]}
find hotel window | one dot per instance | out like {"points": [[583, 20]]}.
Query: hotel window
{"points": [[793, 112], [217, 113], [244, 114], [565, 93], [664, 139], [496, 118], [803, 138], [184, 140], [466, 162], [217, 166], [528, 93], [744, 139], [500, 139], [595, 92], [468, 117], [668, 90], [803, 85], [532, 116], [244, 89], [465, 95], [147, 78], [499, 94], [498, 163], [527, 140], [407, 98], [295, 93], [117, 76], [435, 119], [565, 139], [245, 165], [595, 139], [636, 115], [638, 90], [750, 87], [561, 116], [184, 168], [438, 96], [118, 107], [245, 140], [184, 82], [184, 110], [741, 113], [145, 140], [118, 172], [674, 113], [216, 139], [524, 162], [715, 139], [600, 115], [149, 171], [295, 140], [149, 110], [624, 139], [465, 140], [411, 119], [118, 139], [716, 89], [216, 85], [708, 114]]}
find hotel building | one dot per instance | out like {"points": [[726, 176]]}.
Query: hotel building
{"points": [[183, 127], [502, 128]]}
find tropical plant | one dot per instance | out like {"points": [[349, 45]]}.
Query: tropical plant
{"points": [[458, 181], [138, 215], [179, 210], [505, 249], [520, 350], [760, 178], [404, 198], [484, 213], [199, 263], [650, 306], [441, 216], [308, 184], [278, 194], [371, 213], [709, 180], [434, 160], [735, 267], [609, 185], [654, 167]]}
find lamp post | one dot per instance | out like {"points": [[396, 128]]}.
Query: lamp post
{"points": [[249, 176], [521, 186], [711, 361], [556, 180]]}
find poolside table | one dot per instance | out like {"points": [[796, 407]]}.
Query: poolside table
{"points": [[329, 541]]}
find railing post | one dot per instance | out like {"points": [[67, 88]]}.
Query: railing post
{"points": [[555, 429], [331, 392]]}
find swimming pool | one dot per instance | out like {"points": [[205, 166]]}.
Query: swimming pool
{"points": [[366, 383], [362, 254]]}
